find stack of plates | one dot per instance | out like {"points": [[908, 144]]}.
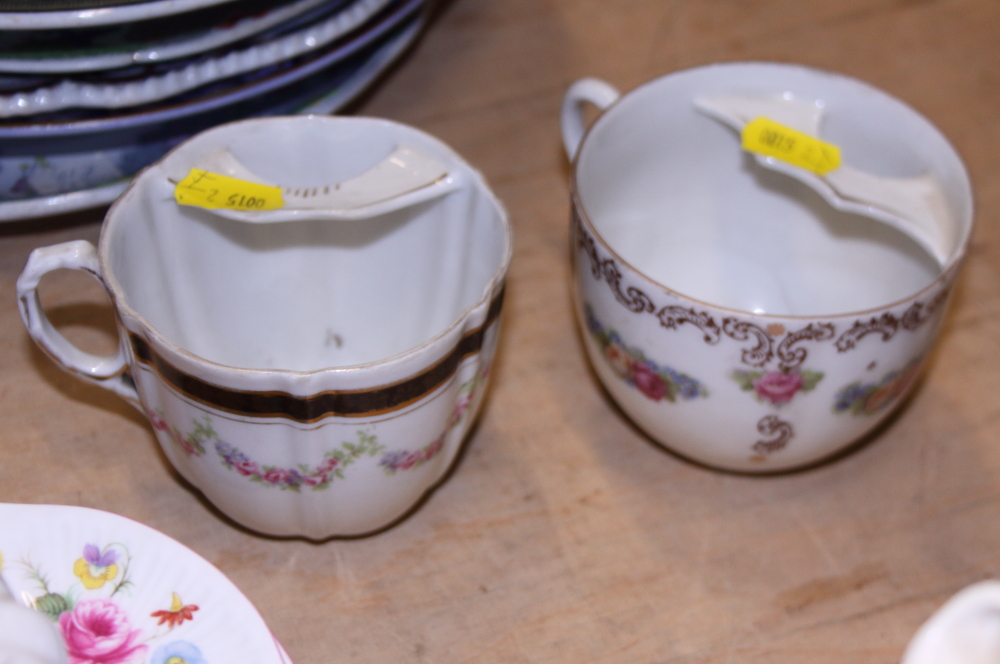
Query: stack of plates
{"points": [[91, 91]]}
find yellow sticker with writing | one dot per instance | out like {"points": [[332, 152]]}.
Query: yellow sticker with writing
{"points": [[213, 191], [767, 137]]}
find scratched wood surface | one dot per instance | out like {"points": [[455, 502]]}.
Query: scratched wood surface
{"points": [[564, 534]]}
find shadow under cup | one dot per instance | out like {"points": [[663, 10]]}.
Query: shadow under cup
{"points": [[693, 260], [312, 377]]}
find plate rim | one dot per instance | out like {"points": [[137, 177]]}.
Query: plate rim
{"points": [[86, 18], [309, 40], [319, 61], [180, 49], [329, 103]]}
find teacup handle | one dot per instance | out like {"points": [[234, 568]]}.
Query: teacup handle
{"points": [[108, 372], [589, 90]]}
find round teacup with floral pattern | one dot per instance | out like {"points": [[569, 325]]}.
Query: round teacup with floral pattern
{"points": [[313, 375], [734, 315]]}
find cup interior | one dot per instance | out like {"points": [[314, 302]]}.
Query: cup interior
{"points": [[673, 194], [311, 294]]}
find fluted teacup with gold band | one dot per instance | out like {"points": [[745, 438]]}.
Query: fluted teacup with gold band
{"points": [[751, 310], [312, 353]]}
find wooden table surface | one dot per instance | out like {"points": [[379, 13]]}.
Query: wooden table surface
{"points": [[565, 534]]}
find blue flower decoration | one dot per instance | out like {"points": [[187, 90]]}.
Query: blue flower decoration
{"points": [[94, 556], [177, 652]]}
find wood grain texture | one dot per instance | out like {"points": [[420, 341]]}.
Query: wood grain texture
{"points": [[565, 534]]}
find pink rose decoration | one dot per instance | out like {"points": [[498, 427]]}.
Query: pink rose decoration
{"points": [[434, 448], [246, 467], [778, 387], [648, 382], [158, 422], [276, 476], [98, 632], [461, 405]]}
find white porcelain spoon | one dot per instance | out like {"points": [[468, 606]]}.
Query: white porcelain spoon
{"points": [[914, 206], [403, 179]]}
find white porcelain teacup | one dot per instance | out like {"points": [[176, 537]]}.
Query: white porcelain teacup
{"points": [[312, 377], [733, 314]]}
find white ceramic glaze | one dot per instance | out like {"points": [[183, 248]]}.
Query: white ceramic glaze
{"points": [[368, 72], [27, 636], [117, 591], [733, 314], [406, 177], [966, 630], [74, 94], [91, 197], [85, 18], [312, 378], [199, 41], [915, 206]]}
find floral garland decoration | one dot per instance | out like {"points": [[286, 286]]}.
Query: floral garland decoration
{"points": [[404, 459], [333, 464], [293, 479], [868, 398], [656, 382], [192, 444]]}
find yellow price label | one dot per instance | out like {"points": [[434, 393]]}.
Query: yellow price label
{"points": [[767, 137], [213, 191]]}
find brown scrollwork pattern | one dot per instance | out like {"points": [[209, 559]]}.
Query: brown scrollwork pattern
{"points": [[920, 312], [671, 317], [888, 324], [791, 358], [780, 432], [763, 350], [741, 330], [585, 242], [632, 299]]}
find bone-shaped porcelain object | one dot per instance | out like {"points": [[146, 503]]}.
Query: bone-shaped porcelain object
{"points": [[27, 636], [915, 206], [405, 178]]}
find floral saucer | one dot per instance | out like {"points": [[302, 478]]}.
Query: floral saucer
{"points": [[120, 592]]}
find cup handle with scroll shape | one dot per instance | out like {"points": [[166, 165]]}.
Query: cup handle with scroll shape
{"points": [[109, 372], [586, 90]]}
